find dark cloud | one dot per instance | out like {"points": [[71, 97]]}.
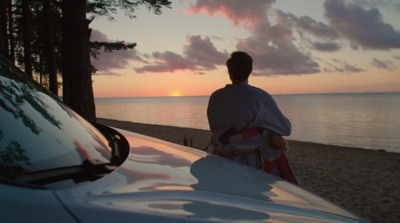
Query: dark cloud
{"points": [[203, 53], [333, 69], [106, 62], [387, 64], [387, 4], [307, 24], [316, 28], [199, 55], [283, 58], [352, 69], [307, 28], [326, 47], [343, 66], [361, 26], [166, 62]]}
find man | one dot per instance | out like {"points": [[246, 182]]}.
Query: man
{"points": [[246, 122]]}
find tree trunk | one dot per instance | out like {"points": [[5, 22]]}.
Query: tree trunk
{"points": [[50, 48], [7, 36], [11, 31], [27, 37], [3, 29], [77, 78]]}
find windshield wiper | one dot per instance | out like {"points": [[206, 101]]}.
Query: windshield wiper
{"points": [[89, 170], [115, 154], [119, 145]]}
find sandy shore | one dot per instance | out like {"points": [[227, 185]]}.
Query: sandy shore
{"points": [[364, 181]]}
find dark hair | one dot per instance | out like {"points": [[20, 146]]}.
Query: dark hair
{"points": [[240, 66]]}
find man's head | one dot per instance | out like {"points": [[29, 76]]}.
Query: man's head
{"points": [[240, 66]]}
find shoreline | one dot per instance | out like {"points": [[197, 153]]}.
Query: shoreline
{"points": [[364, 181]]}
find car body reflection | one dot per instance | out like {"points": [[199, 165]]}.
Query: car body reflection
{"points": [[57, 167]]}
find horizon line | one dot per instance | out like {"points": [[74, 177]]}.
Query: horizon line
{"points": [[181, 96]]}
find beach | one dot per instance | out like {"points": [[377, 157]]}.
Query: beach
{"points": [[366, 182]]}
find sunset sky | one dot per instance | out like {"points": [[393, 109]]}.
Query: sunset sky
{"points": [[307, 46]]}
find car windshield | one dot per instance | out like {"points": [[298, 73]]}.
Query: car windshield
{"points": [[38, 132]]}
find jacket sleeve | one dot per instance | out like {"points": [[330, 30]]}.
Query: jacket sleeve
{"points": [[274, 119]]}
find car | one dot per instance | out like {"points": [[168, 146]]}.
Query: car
{"points": [[57, 167]]}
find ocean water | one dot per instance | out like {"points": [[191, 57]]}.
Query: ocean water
{"points": [[363, 120]]}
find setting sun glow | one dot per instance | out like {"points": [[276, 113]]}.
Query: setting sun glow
{"points": [[175, 94]]}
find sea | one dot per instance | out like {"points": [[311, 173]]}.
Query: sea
{"points": [[362, 120]]}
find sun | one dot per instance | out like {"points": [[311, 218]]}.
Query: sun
{"points": [[175, 93]]}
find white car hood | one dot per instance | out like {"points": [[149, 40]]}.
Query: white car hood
{"points": [[161, 181]]}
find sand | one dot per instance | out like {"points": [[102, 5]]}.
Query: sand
{"points": [[366, 182]]}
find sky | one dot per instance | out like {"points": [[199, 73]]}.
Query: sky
{"points": [[298, 47]]}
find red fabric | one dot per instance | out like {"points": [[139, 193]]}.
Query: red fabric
{"points": [[249, 133], [281, 162], [283, 166]]}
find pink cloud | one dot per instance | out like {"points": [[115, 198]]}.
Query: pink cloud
{"points": [[271, 46], [242, 13], [274, 47]]}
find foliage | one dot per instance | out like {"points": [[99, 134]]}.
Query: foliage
{"points": [[46, 21], [109, 7], [109, 47]]}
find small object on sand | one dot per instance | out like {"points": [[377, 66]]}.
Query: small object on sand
{"points": [[187, 141]]}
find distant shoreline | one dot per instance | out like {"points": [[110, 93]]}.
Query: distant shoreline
{"points": [[332, 93], [362, 180]]}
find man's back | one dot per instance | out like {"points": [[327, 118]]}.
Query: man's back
{"points": [[241, 107]]}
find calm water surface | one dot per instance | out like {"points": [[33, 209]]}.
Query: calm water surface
{"points": [[365, 120]]}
